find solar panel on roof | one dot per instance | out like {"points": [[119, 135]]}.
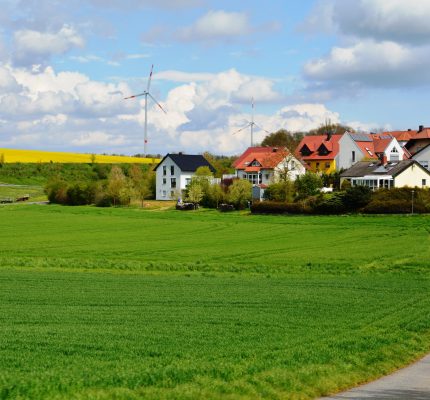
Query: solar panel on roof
{"points": [[361, 137], [385, 137]]}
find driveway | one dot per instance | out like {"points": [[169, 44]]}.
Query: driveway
{"points": [[410, 383]]}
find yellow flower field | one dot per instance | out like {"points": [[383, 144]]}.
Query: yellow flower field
{"points": [[36, 156]]}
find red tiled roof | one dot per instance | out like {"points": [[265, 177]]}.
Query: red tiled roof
{"points": [[368, 149], [268, 158], [402, 136], [314, 142], [381, 144]]}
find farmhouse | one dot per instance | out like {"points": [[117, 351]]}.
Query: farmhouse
{"points": [[354, 147], [394, 174], [320, 152], [174, 173]]}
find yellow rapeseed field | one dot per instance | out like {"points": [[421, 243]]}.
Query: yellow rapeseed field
{"points": [[36, 156]]}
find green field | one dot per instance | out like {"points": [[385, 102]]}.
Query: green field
{"points": [[13, 192], [130, 304]]}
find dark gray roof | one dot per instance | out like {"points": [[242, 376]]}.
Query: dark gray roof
{"points": [[361, 137], [363, 168], [188, 162], [422, 149]]}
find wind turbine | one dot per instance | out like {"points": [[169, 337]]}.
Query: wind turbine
{"points": [[146, 93], [251, 125]]}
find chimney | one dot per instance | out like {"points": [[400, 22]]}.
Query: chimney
{"points": [[409, 129], [275, 149], [421, 127]]}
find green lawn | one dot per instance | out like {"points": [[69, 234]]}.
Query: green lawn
{"points": [[36, 193], [130, 304]]}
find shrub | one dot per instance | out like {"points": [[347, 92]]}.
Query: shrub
{"points": [[356, 197], [330, 204], [308, 185], [394, 206], [275, 207], [239, 193], [280, 191]]}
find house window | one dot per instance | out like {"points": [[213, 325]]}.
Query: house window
{"points": [[187, 181], [327, 165], [394, 150], [317, 165], [267, 177], [293, 165], [164, 193], [164, 181], [353, 156], [164, 170], [254, 178], [424, 182], [172, 170], [172, 193], [425, 164], [173, 183]]}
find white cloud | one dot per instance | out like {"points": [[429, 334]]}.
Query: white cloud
{"points": [[98, 138], [32, 47], [394, 20], [181, 76], [217, 25], [375, 64]]}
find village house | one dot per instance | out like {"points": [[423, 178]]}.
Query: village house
{"points": [[320, 153], [174, 173], [354, 147], [265, 165], [405, 173]]}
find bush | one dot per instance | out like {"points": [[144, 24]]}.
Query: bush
{"points": [[280, 191], [275, 207], [239, 193], [226, 207], [330, 204], [395, 206], [308, 185], [356, 197]]}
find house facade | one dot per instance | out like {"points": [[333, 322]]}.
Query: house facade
{"points": [[320, 153], [265, 165], [405, 173], [355, 147], [174, 173]]}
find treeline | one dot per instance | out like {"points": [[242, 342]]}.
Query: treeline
{"points": [[112, 186], [304, 196]]}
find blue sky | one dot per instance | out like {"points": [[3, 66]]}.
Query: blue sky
{"points": [[65, 67]]}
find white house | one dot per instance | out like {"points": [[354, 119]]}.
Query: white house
{"points": [[265, 165], [394, 174], [423, 157], [354, 147], [174, 173]]}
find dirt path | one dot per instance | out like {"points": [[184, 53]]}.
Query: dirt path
{"points": [[410, 383]]}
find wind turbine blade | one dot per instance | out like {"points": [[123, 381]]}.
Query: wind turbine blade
{"points": [[156, 102], [241, 129], [150, 77], [259, 127], [135, 95]]}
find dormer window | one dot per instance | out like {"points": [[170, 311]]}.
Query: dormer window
{"points": [[322, 150], [305, 151], [394, 150], [255, 163]]}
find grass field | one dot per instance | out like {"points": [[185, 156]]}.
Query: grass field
{"points": [[39, 156], [128, 304], [36, 193]]}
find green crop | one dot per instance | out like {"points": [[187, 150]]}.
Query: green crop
{"points": [[131, 304]]}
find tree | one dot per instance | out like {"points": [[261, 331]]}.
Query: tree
{"points": [[308, 184], [240, 193], [280, 191], [282, 138], [118, 186], [195, 192], [140, 184], [328, 127], [1, 159], [222, 164]]}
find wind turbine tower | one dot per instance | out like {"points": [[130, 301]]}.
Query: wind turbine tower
{"points": [[146, 93], [251, 124]]}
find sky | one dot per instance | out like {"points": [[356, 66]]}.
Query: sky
{"points": [[66, 66]]}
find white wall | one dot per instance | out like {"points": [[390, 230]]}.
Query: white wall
{"points": [[412, 176], [163, 190], [346, 147], [396, 156]]}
